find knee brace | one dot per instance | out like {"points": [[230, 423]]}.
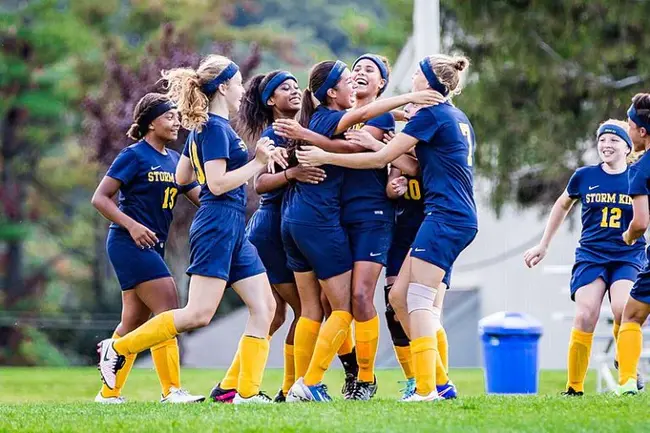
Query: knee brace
{"points": [[420, 297], [387, 288]]}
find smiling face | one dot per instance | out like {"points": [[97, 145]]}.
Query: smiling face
{"points": [[166, 126], [343, 92], [366, 79], [612, 149], [233, 91], [286, 97], [637, 135]]}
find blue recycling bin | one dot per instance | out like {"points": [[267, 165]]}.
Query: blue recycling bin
{"points": [[510, 351]]}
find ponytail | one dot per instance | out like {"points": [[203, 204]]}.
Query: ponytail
{"points": [[253, 115]]}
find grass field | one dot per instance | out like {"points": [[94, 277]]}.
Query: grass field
{"points": [[59, 400]]}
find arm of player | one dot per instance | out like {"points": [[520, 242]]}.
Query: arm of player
{"points": [[558, 214], [312, 156], [267, 182], [221, 181], [184, 171], [103, 201], [396, 185], [381, 106], [406, 163], [640, 220], [292, 130], [193, 195]]}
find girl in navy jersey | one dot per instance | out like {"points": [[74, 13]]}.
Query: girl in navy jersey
{"points": [[444, 144], [272, 96], [630, 338], [604, 264], [143, 174], [220, 254], [316, 244]]}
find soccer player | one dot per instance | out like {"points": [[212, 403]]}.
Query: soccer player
{"points": [[637, 308], [143, 174], [272, 96], [311, 230], [444, 144], [220, 254], [603, 264]]}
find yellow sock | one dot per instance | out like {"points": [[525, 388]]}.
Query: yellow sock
{"points": [[424, 364], [578, 359], [629, 346], [304, 342], [253, 355], [615, 329], [231, 378], [441, 374], [405, 360], [367, 339], [166, 359], [289, 368], [443, 348], [330, 338], [120, 377], [348, 344], [155, 331]]}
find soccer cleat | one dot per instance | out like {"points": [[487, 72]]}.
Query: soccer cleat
{"points": [[628, 388], [220, 395], [447, 391], [409, 387], [179, 395], [570, 392], [640, 381], [348, 386], [415, 397], [110, 362], [280, 397], [259, 398], [364, 391], [301, 392], [109, 400]]}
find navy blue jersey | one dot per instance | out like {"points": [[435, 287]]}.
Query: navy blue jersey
{"points": [[606, 214], [364, 191], [149, 191], [445, 151], [319, 205], [410, 207], [273, 198], [217, 140]]}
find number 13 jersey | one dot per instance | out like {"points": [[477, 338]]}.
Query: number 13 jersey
{"points": [[606, 214]]}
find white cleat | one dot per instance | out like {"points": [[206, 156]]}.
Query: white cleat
{"points": [[179, 395], [415, 397], [259, 398], [110, 362], [109, 400]]}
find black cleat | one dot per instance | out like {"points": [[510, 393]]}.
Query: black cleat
{"points": [[348, 386], [280, 397], [572, 393], [220, 395], [364, 391], [349, 362]]}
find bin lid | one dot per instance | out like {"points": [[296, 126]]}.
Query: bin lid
{"points": [[509, 323]]}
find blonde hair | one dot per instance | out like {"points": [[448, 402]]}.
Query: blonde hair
{"points": [[448, 69], [632, 156], [184, 88]]}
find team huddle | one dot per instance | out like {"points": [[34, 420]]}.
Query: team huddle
{"points": [[342, 197]]}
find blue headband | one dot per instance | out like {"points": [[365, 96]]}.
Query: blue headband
{"points": [[431, 77], [274, 83], [610, 128], [211, 86], [154, 112], [331, 80], [634, 116], [383, 70]]}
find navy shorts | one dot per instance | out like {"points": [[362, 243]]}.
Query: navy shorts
{"points": [[219, 247], [325, 250], [369, 240], [264, 231], [584, 273], [403, 237], [133, 265], [440, 243], [641, 288]]}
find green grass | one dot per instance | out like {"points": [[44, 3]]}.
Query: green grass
{"points": [[59, 400]]}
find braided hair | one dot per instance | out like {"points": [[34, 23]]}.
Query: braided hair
{"points": [[140, 126]]}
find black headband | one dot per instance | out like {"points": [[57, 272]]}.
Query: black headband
{"points": [[152, 113]]}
